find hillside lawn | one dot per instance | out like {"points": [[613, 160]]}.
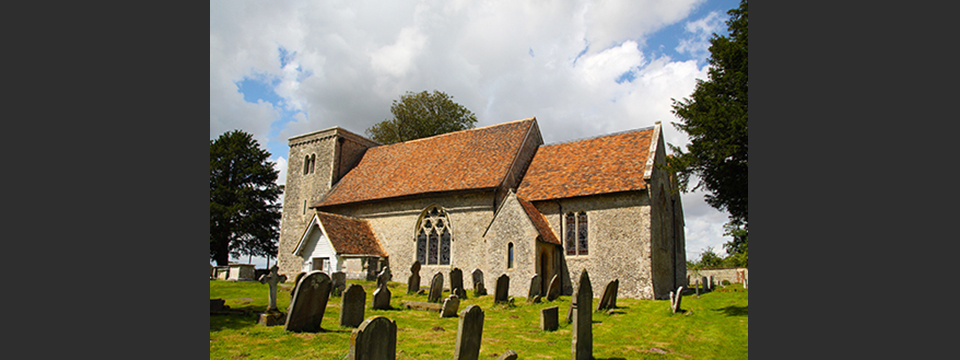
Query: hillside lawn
{"points": [[713, 326]]}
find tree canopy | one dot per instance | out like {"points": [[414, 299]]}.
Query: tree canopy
{"points": [[420, 115], [244, 212]]}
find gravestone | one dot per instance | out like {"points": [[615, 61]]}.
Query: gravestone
{"points": [[352, 306], [550, 318], [469, 333], [508, 355], [697, 288], [272, 316], [297, 281], [456, 283], [478, 288], [553, 290], [413, 283], [675, 300], [375, 339], [384, 276], [582, 346], [706, 285], [536, 285], [500, 294], [573, 304], [712, 283], [381, 298], [450, 306], [339, 283], [309, 302], [608, 300], [436, 288]]}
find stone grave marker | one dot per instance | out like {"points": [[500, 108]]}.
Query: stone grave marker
{"points": [[675, 300], [553, 290], [413, 283], [706, 285], [381, 298], [450, 306], [697, 288], [469, 333], [297, 281], [582, 345], [375, 339], [309, 302], [352, 306], [501, 293], [456, 282], [608, 300], [536, 285], [384, 276], [550, 318], [508, 355], [272, 316], [712, 283], [339, 283], [478, 287], [436, 288]]}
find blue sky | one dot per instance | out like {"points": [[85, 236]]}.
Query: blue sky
{"points": [[583, 68]]}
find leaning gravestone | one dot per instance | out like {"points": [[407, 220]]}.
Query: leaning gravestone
{"points": [[456, 281], [608, 300], [413, 283], [339, 282], [375, 339], [381, 298], [478, 288], [450, 306], [500, 294], [309, 302], [582, 346], [508, 355], [272, 316], [675, 300], [352, 306], [469, 333], [550, 318], [553, 290], [536, 285], [436, 288]]}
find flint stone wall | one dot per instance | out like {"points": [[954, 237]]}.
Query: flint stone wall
{"points": [[719, 274]]}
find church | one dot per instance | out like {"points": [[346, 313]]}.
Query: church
{"points": [[493, 198]]}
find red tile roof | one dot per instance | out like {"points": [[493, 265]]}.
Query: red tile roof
{"points": [[592, 166], [464, 160], [539, 222], [350, 235]]}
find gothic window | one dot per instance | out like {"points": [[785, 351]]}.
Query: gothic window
{"points": [[575, 234], [433, 237], [571, 235], [582, 233]]}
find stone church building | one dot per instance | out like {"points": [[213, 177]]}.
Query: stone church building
{"points": [[494, 198]]}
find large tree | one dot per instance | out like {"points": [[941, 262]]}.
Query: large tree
{"points": [[715, 119], [244, 212], [420, 115]]}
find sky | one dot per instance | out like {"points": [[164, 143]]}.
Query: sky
{"points": [[582, 68]]}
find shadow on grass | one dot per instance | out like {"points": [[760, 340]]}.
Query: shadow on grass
{"points": [[231, 321], [734, 310]]}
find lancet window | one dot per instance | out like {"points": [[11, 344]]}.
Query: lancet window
{"points": [[576, 232]]}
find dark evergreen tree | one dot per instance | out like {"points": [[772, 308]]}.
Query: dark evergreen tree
{"points": [[420, 115], [244, 211]]}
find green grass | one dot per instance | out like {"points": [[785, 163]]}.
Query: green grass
{"points": [[713, 327]]}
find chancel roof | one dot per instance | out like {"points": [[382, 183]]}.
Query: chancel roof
{"points": [[598, 165], [464, 160]]}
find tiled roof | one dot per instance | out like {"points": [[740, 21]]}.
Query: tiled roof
{"points": [[350, 235], [463, 160], [592, 166], [539, 222]]}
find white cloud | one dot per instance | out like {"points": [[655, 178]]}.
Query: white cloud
{"points": [[697, 44]]}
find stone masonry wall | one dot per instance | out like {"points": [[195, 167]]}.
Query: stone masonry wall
{"points": [[511, 225], [719, 274], [668, 249]]}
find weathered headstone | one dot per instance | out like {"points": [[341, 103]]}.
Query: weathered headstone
{"points": [[706, 285], [553, 290], [450, 306], [712, 283], [413, 283], [675, 300], [536, 285], [550, 318], [375, 339], [436, 288], [352, 306], [582, 346], [608, 300], [573, 304], [508, 355], [309, 302], [478, 288], [272, 316], [381, 298], [297, 281], [339, 282], [384, 276], [501, 293], [469, 333], [456, 282]]}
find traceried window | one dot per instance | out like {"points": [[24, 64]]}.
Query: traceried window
{"points": [[433, 237], [575, 234]]}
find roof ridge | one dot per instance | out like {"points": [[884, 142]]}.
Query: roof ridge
{"points": [[600, 136], [459, 132]]}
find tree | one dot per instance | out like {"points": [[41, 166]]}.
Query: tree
{"points": [[715, 119], [709, 259], [244, 212], [420, 115]]}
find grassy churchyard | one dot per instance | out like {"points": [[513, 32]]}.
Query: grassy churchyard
{"points": [[714, 326]]}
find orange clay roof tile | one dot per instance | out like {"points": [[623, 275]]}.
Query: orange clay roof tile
{"points": [[540, 222], [350, 235]]}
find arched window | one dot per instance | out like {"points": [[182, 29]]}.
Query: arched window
{"points": [[582, 233], [433, 237], [306, 164], [313, 162], [510, 256], [575, 233], [571, 234]]}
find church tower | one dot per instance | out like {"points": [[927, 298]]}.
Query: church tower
{"points": [[317, 160]]}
